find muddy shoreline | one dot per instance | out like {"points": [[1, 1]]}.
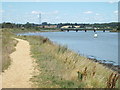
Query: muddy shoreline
{"points": [[107, 64]]}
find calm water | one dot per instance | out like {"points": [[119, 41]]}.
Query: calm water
{"points": [[105, 47]]}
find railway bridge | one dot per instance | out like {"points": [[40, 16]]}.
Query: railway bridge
{"points": [[79, 29]]}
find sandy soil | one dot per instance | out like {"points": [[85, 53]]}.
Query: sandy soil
{"points": [[21, 69]]}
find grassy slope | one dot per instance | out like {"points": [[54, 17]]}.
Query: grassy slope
{"points": [[19, 30], [0, 50], [59, 67], [8, 44]]}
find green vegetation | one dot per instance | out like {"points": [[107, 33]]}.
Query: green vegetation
{"points": [[7, 47], [115, 30], [28, 26], [23, 30], [113, 26], [59, 67], [0, 50]]}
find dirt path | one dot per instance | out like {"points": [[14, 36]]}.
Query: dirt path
{"points": [[21, 69]]}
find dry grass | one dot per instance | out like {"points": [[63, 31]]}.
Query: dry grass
{"points": [[0, 50], [8, 44], [111, 83], [61, 67]]}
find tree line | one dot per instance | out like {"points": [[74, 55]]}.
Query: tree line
{"points": [[114, 25]]}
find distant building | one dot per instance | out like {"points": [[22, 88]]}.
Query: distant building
{"points": [[70, 26], [77, 26], [88, 27], [96, 28], [48, 26], [67, 26]]}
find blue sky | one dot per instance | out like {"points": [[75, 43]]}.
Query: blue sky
{"points": [[60, 12]]}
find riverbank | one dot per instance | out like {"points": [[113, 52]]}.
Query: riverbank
{"points": [[25, 30], [109, 65], [59, 67], [92, 46]]}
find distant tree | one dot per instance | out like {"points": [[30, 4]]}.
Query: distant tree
{"points": [[7, 25], [73, 26], [59, 25], [118, 27], [44, 23], [27, 25], [19, 25], [76, 24], [0, 25]]}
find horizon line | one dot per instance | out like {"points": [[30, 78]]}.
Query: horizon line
{"points": [[63, 22]]}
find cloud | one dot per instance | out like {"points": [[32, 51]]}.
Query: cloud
{"points": [[88, 12], [116, 12], [51, 16], [1, 11], [37, 12], [57, 17], [55, 12], [111, 2], [97, 14], [47, 13]]}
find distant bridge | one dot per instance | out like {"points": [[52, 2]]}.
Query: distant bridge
{"points": [[81, 29]]}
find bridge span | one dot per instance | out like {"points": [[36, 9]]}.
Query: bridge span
{"points": [[79, 29]]}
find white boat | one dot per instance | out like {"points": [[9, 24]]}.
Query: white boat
{"points": [[95, 35]]}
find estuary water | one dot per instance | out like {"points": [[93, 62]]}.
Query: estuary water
{"points": [[104, 47]]}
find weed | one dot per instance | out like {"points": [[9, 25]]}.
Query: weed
{"points": [[94, 71], [112, 80], [62, 49], [85, 73], [80, 75]]}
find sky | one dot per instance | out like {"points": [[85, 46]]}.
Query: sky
{"points": [[59, 12], [60, 1]]}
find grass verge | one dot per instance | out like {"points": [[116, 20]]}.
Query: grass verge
{"points": [[59, 67], [8, 44], [23, 30]]}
